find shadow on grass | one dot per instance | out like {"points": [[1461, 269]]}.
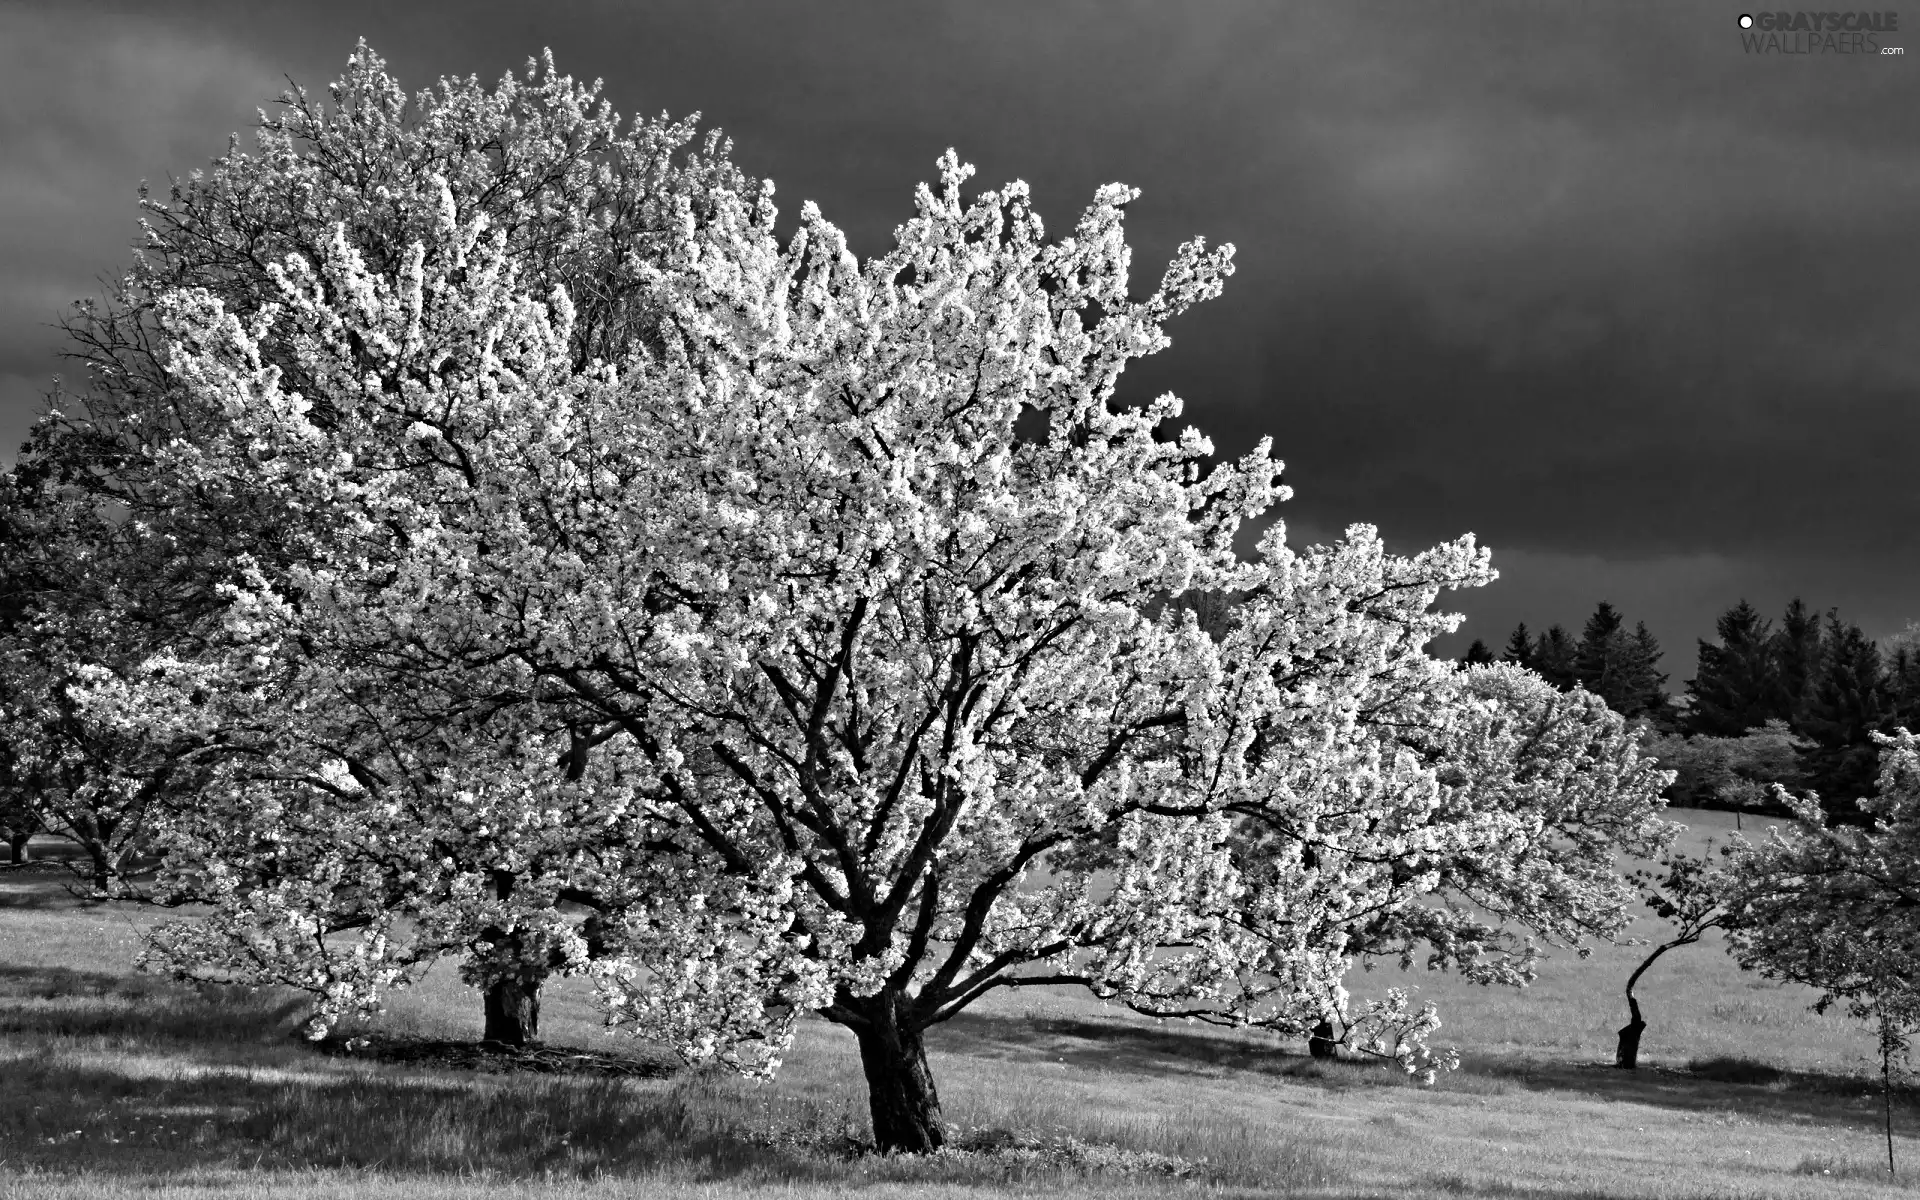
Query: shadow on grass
{"points": [[1723, 1090], [65, 1003], [59, 1115], [45, 886], [1137, 1047], [139, 1078]]}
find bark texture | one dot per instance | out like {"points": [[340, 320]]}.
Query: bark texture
{"points": [[513, 1012], [1626, 1055], [900, 1094]]}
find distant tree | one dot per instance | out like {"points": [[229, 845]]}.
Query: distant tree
{"points": [[1553, 658], [1847, 702], [1796, 657], [1737, 685], [1735, 773], [1519, 648], [544, 182], [1908, 638], [1686, 891], [1646, 684], [18, 823], [1478, 654], [1903, 685], [83, 595], [1600, 658], [1622, 668]]}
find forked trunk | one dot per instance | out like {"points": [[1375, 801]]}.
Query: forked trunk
{"points": [[513, 1012], [900, 1093]]}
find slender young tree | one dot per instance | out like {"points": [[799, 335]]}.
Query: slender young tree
{"points": [[1831, 905], [1687, 892]]}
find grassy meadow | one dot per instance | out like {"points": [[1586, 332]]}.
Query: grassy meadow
{"points": [[114, 1084]]}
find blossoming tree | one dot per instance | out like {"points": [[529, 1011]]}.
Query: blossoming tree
{"points": [[1834, 906], [857, 678], [80, 590], [577, 198]]}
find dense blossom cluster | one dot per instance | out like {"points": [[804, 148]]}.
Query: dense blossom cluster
{"points": [[804, 648]]}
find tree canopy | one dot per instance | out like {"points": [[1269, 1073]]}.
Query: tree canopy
{"points": [[756, 626]]}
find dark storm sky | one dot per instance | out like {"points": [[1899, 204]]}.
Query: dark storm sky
{"points": [[1635, 307]]}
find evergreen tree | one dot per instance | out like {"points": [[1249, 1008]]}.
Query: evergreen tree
{"points": [[1796, 657], [1846, 701], [1646, 682], [1903, 686], [1519, 647], [1737, 686], [1599, 659], [1478, 654], [1553, 658]]}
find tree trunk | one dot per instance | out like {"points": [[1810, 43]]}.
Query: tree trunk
{"points": [[900, 1093], [17, 852], [513, 1012], [1321, 1042], [513, 1001], [1627, 1055], [102, 865]]}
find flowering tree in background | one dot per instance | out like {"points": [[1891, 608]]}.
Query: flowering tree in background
{"points": [[80, 590], [576, 199], [1560, 782]]}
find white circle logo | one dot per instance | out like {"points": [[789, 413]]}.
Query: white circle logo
{"points": [[1746, 22]]}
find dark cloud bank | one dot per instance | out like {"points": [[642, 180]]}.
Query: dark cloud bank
{"points": [[1633, 305]]}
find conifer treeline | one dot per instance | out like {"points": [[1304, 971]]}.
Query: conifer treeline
{"points": [[1621, 668], [1820, 679]]}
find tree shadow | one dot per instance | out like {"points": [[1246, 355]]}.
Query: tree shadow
{"points": [[141, 1075], [61, 1002], [45, 886], [1156, 1049], [58, 1114], [1723, 1090]]}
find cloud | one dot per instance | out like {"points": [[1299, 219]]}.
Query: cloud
{"points": [[89, 103]]}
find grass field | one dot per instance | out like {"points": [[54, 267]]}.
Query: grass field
{"points": [[113, 1084]]}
